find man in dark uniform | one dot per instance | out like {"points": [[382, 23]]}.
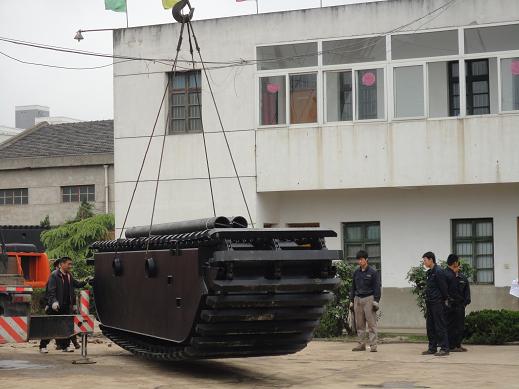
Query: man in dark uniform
{"points": [[364, 299], [459, 298], [436, 300], [60, 298]]}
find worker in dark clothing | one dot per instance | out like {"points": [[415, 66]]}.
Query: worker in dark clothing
{"points": [[60, 298], [436, 300], [364, 300], [459, 298]]}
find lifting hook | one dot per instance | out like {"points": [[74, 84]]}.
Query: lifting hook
{"points": [[177, 11]]}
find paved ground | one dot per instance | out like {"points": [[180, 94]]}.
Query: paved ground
{"points": [[321, 365]]}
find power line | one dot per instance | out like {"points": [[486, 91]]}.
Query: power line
{"points": [[230, 63]]}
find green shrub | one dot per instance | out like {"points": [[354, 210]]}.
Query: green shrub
{"points": [[492, 327], [335, 317], [36, 301]]}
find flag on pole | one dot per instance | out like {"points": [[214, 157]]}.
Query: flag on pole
{"points": [[115, 5], [167, 4]]}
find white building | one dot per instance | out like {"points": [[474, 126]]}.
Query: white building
{"points": [[8, 132], [402, 142]]}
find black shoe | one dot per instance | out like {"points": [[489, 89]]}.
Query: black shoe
{"points": [[428, 352], [442, 353]]}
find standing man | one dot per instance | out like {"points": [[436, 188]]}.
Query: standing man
{"points": [[436, 300], [364, 299], [60, 298], [459, 298]]}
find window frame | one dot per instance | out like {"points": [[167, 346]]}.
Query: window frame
{"points": [[499, 81], [187, 91], [388, 65], [78, 187], [23, 195], [363, 225], [425, 82], [474, 240]]}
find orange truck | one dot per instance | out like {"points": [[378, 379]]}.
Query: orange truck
{"points": [[25, 250]]}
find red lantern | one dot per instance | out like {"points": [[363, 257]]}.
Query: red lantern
{"points": [[369, 79]]}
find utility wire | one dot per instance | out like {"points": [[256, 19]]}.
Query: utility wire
{"points": [[242, 62]]}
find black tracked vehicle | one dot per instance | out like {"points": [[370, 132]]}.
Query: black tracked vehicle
{"points": [[213, 289]]}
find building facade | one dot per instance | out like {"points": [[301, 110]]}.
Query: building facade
{"points": [[49, 170], [394, 123]]}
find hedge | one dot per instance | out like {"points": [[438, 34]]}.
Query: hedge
{"points": [[492, 327]]}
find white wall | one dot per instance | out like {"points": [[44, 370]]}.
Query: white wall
{"points": [[412, 220], [368, 155]]}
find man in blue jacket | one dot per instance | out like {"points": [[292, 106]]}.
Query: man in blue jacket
{"points": [[436, 300], [459, 298]]}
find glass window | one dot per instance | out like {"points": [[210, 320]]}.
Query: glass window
{"points": [[429, 44], [339, 96], [488, 39], [444, 89], [303, 98], [18, 196], [79, 193], [297, 55], [272, 100], [370, 94], [478, 89], [354, 50], [185, 102], [473, 241], [362, 236], [409, 93], [510, 84]]}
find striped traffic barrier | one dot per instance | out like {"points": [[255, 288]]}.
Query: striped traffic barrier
{"points": [[13, 329], [19, 289], [84, 323]]}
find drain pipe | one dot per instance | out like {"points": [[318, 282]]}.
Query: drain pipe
{"points": [[106, 188]]}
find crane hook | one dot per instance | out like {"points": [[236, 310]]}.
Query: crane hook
{"points": [[177, 11]]}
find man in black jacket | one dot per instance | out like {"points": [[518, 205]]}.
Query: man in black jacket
{"points": [[436, 300], [459, 298], [60, 298], [364, 298]]}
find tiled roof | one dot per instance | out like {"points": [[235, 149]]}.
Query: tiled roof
{"points": [[46, 140]]}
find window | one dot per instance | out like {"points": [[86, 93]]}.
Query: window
{"points": [[473, 241], [454, 88], [429, 44], [409, 93], [489, 39], [185, 102], [478, 90], [339, 96], [443, 89], [354, 50], [370, 94], [14, 196], [272, 100], [510, 84], [362, 236], [80, 193], [303, 98], [297, 55]]}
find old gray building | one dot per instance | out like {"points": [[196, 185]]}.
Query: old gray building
{"points": [[50, 169]]}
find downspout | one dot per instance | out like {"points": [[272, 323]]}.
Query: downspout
{"points": [[106, 189]]}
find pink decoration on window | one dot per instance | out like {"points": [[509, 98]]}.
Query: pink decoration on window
{"points": [[369, 79], [273, 88], [514, 67]]}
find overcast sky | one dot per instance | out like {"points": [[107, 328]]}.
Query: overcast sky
{"points": [[86, 94]]}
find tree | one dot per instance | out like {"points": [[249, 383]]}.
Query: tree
{"points": [[45, 222], [74, 238], [335, 317]]}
